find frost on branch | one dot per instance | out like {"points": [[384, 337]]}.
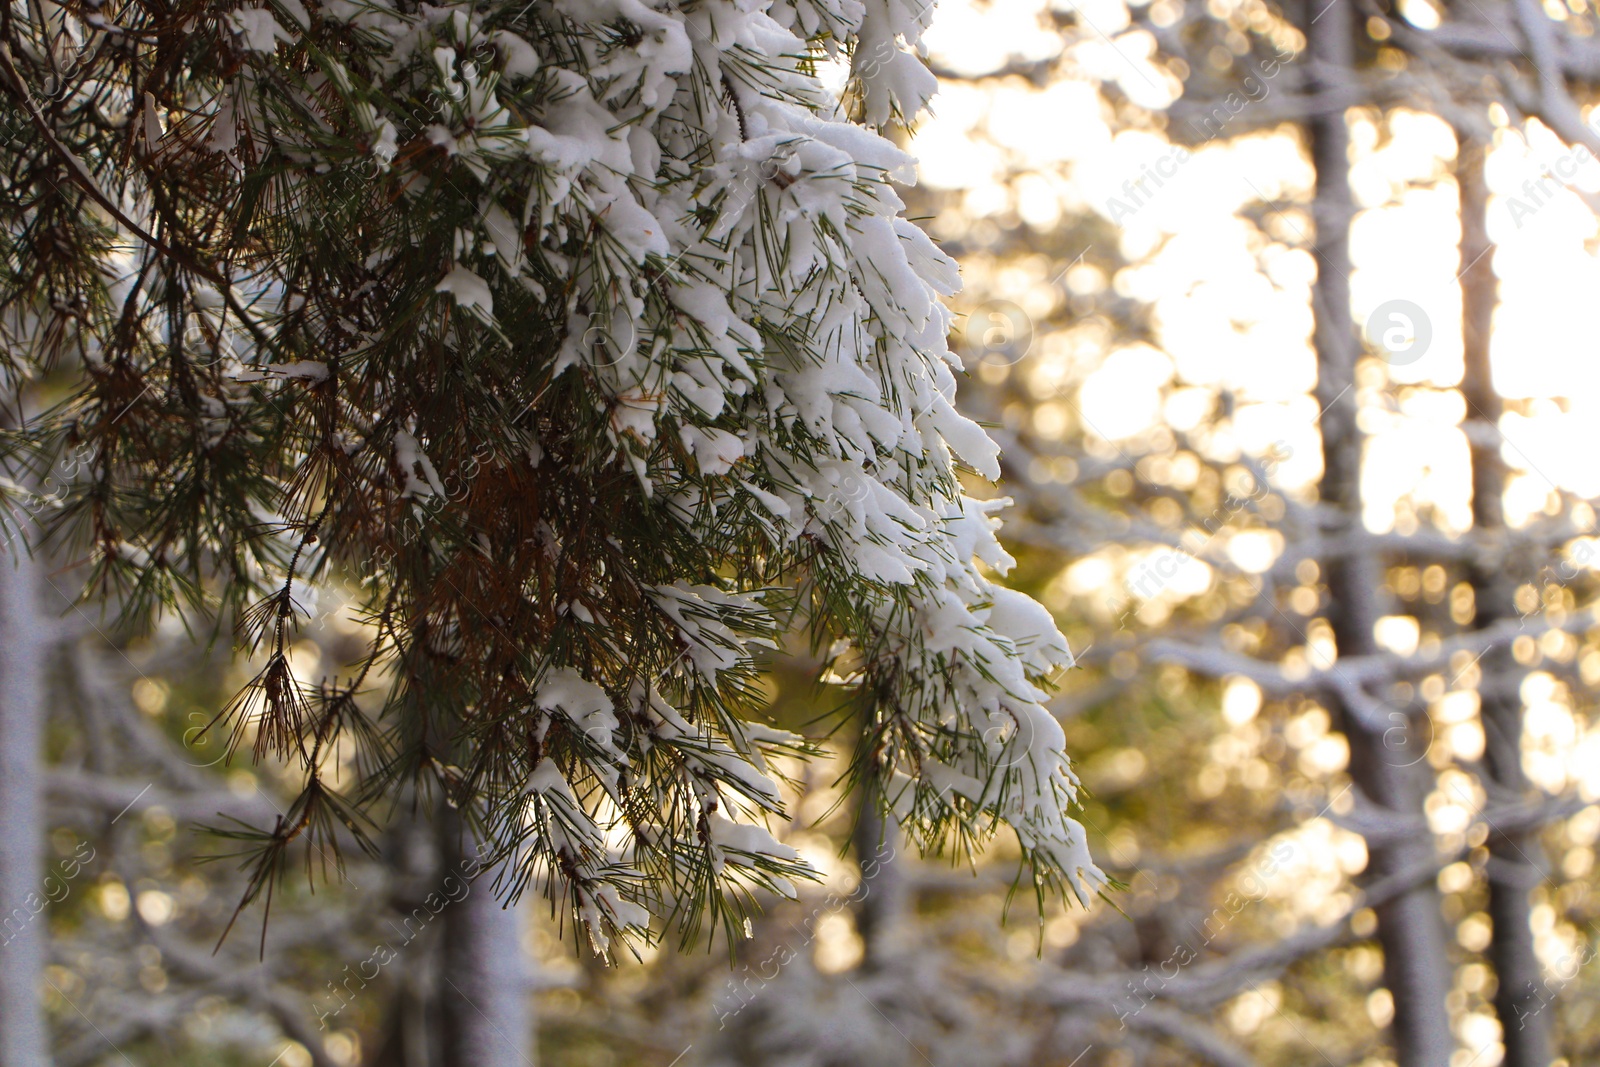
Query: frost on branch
{"points": [[622, 351]]}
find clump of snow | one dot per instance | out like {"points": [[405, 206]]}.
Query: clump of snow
{"points": [[257, 28], [470, 291]]}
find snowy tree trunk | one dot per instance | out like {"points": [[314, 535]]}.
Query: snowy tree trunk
{"points": [[485, 983], [465, 999], [880, 915], [1410, 929], [23, 1038], [1512, 871]]}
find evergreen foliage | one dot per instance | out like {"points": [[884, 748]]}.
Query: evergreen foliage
{"points": [[585, 342]]}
